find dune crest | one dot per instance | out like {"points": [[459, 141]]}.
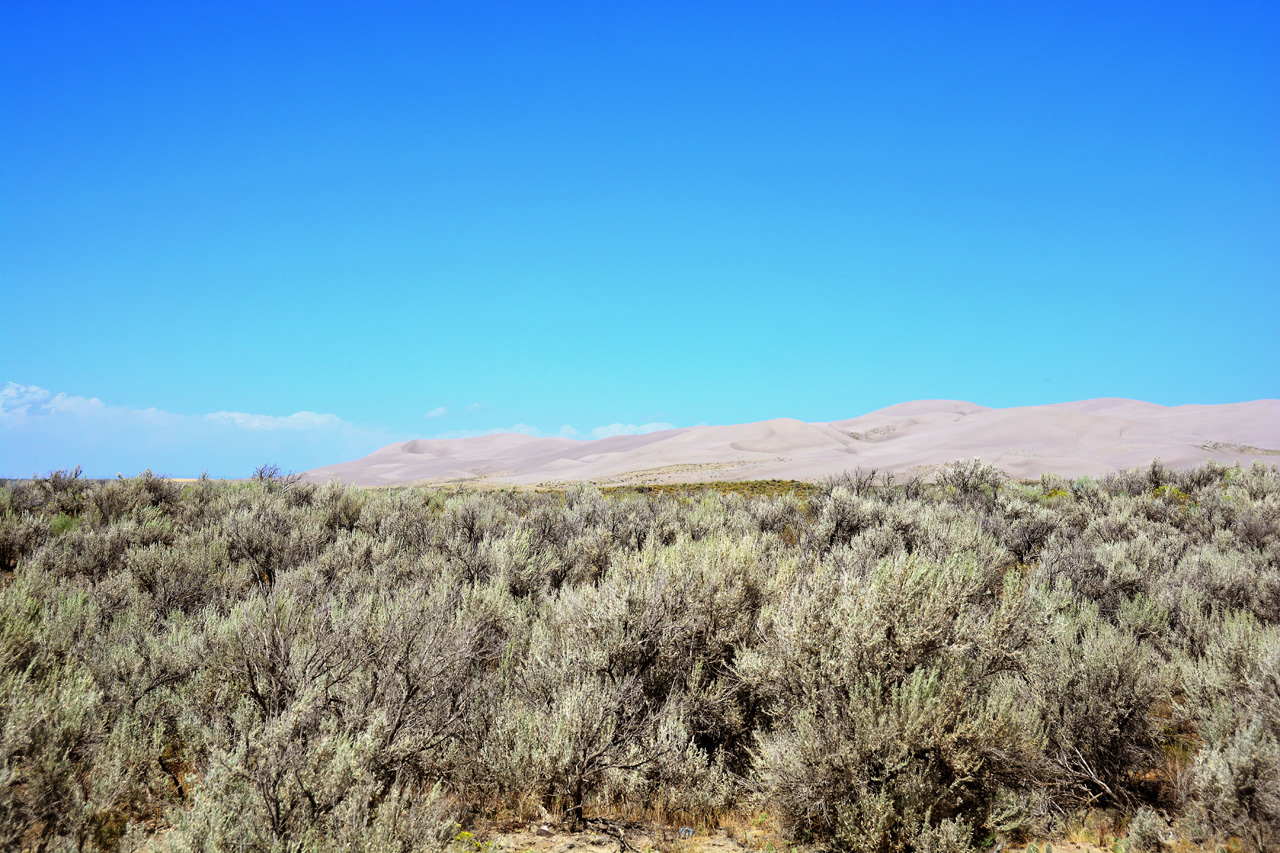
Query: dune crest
{"points": [[1085, 437]]}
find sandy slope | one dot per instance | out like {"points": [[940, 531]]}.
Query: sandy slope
{"points": [[1074, 439]]}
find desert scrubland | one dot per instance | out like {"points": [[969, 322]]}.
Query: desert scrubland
{"points": [[866, 665]]}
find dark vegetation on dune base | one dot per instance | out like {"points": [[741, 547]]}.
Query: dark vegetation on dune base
{"points": [[274, 666]]}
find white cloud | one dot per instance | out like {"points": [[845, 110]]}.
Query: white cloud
{"points": [[15, 394], [41, 431], [627, 429], [16, 400], [20, 403], [65, 404], [438, 412], [475, 407], [566, 431], [296, 421], [524, 429]]}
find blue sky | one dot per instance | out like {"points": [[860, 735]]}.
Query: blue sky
{"points": [[236, 233]]}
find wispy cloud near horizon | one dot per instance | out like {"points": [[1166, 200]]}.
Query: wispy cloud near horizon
{"points": [[628, 429], [524, 429], [44, 431], [565, 431], [296, 421]]}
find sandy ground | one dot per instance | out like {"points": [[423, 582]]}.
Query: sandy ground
{"points": [[672, 841], [1084, 438], [601, 842]]}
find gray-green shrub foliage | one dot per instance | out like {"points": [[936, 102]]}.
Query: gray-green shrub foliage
{"points": [[280, 666]]}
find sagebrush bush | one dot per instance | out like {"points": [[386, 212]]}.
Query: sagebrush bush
{"points": [[279, 666]]}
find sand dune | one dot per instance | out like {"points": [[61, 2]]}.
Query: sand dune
{"points": [[1087, 437]]}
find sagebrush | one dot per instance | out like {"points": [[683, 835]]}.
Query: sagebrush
{"points": [[278, 666]]}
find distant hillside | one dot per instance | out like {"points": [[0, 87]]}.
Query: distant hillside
{"points": [[1087, 437]]}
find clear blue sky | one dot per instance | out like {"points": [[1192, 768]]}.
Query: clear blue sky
{"points": [[596, 217]]}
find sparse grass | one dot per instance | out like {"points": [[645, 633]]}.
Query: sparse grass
{"points": [[746, 488], [1239, 448]]}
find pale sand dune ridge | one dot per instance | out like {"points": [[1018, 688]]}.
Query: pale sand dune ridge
{"points": [[1086, 437]]}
